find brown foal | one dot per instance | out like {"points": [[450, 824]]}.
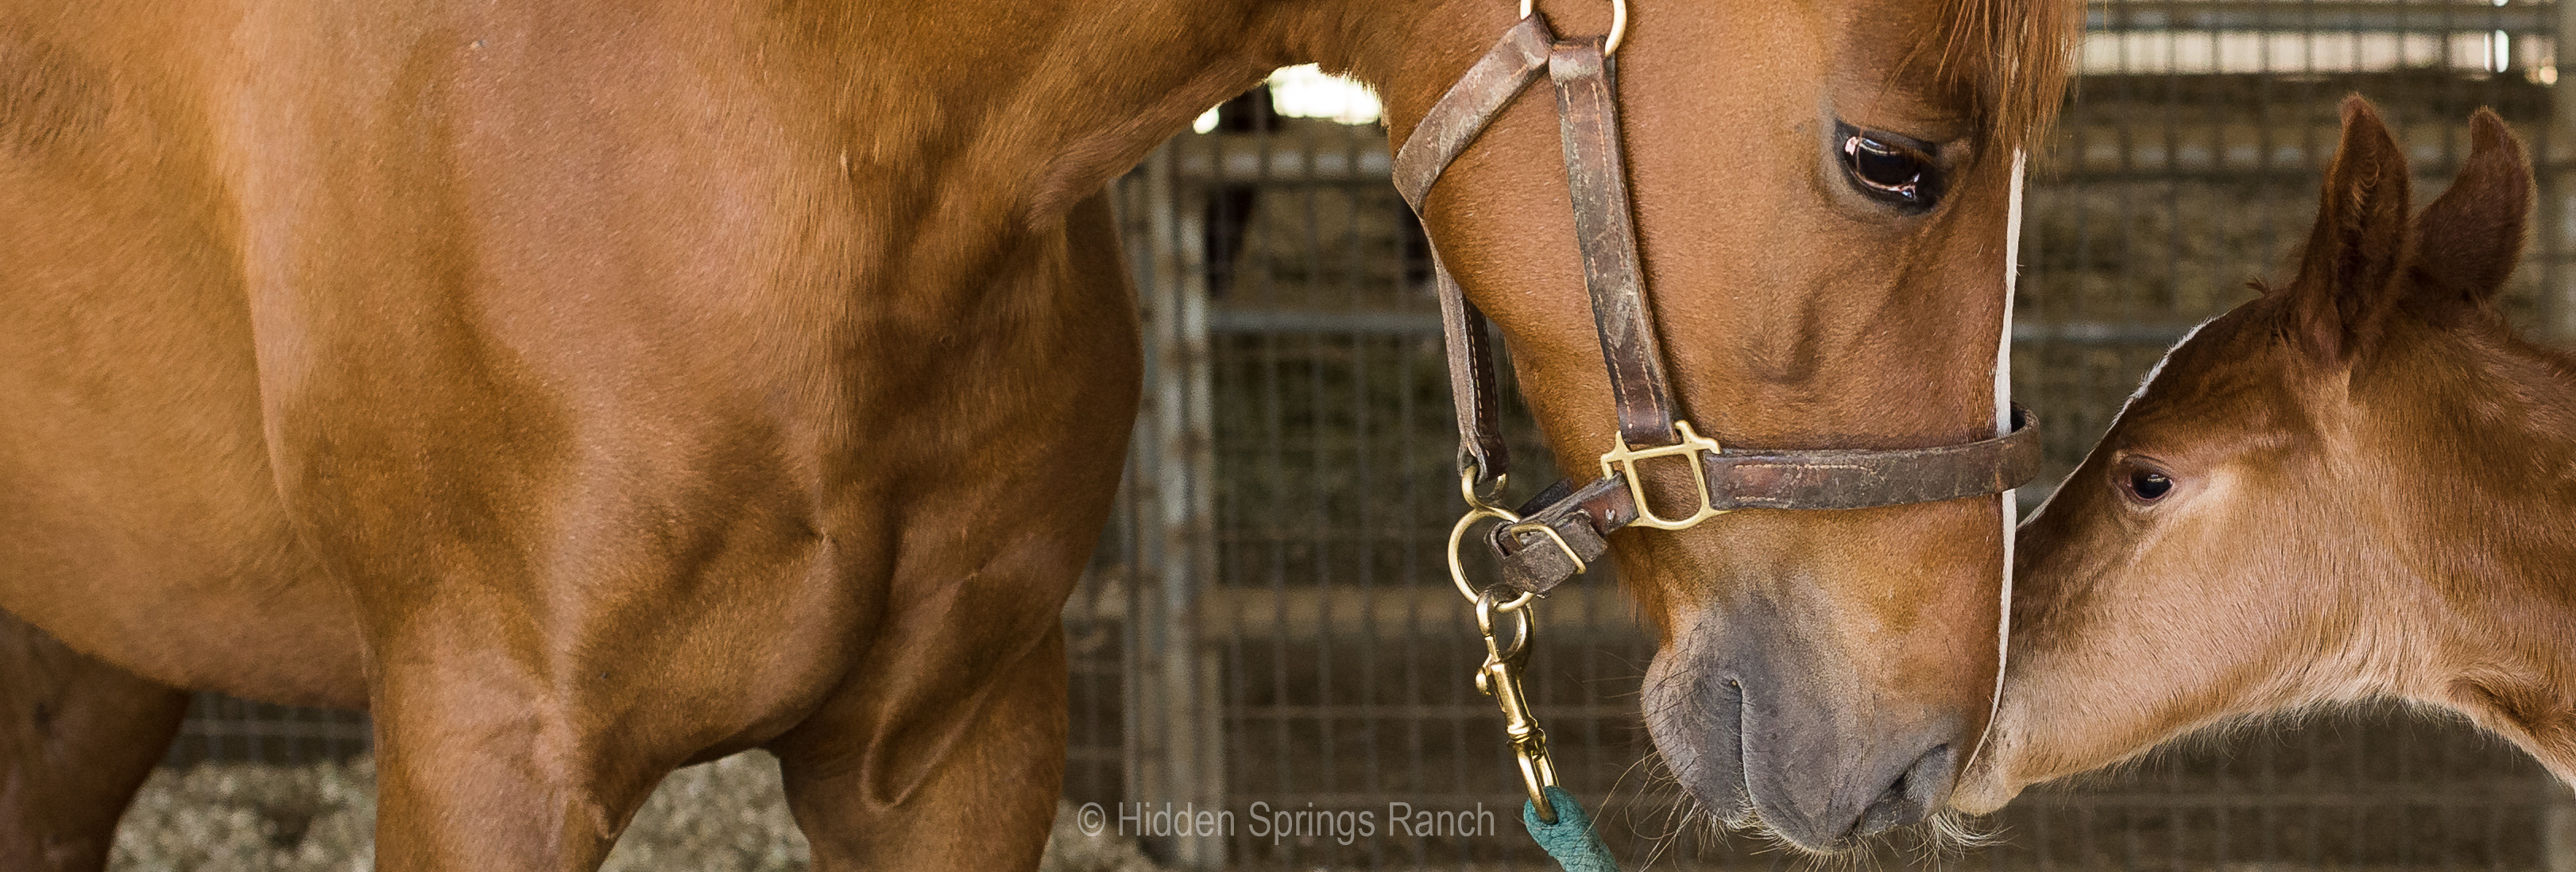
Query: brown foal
{"points": [[588, 387], [2361, 485]]}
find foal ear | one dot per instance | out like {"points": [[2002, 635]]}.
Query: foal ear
{"points": [[2467, 242], [2352, 256]]}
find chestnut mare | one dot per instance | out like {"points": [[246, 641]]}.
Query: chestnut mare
{"points": [[590, 388], [2360, 485]]}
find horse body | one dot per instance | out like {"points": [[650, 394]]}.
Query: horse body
{"points": [[2354, 487], [587, 436], [589, 388]]}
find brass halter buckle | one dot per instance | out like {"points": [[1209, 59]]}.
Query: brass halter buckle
{"points": [[1622, 460]]}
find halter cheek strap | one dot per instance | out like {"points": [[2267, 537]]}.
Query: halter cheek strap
{"points": [[1445, 132], [1597, 176], [1559, 534]]}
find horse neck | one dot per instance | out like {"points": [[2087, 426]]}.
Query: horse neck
{"points": [[976, 128], [2483, 430], [1064, 97], [1017, 111]]}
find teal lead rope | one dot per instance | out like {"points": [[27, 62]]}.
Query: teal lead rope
{"points": [[1571, 839]]}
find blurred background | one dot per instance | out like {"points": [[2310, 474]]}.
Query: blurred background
{"points": [[1268, 618]]}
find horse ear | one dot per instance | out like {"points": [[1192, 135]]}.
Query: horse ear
{"points": [[2352, 256], [2467, 242]]}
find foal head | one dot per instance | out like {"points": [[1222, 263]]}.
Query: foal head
{"points": [[2330, 493], [1822, 192]]}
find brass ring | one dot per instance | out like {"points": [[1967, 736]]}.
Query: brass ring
{"points": [[1476, 501], [1458, 534], [1618, 27], [1618, 23]]}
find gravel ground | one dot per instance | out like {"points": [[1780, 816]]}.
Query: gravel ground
{"points": [[726, 816]]}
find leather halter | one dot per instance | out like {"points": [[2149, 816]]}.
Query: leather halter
{"points": [[1565, 528]]}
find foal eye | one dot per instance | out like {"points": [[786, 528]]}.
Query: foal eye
{"points": [[2148, 485], [1888, 169]]}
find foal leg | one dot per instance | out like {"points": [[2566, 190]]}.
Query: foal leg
{"points": [[887, 777], [77, 737]]}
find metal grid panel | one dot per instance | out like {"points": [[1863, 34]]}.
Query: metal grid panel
{"points": [[224, 729]]}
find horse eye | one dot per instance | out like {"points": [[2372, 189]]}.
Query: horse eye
{"points": [[1890, 171], [2148, 485]]}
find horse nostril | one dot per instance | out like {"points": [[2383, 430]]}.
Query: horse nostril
{"points": [[1912, 796]]}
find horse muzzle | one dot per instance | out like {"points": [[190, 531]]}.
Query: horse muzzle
{"points": [[1822, 768]]}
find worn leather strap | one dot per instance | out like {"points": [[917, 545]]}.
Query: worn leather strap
{"points": [[1794, 480], [1462, 112], [1471, 382], [1454, 123], [1606, 232]]}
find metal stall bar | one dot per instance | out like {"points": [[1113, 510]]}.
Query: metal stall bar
{"points": [[1177, 767], [2359, 17]]}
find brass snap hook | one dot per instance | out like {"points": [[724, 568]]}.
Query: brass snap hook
{"points": [[1500, 677], [1515, 653]]}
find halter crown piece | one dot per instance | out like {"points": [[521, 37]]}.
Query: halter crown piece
{"points": [[1565, 529]]}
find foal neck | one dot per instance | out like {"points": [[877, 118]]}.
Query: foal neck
{"points": [[2479, 432]]}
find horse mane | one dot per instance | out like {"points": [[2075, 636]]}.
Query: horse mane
{"points": [[2010, 58]]}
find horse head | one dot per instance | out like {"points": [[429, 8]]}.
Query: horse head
{"points": [[1823, 202], [2350, 487]]}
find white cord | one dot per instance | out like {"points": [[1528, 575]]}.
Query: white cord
{"points": [[2003, 427]]}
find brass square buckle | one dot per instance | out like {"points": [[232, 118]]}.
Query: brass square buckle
{"points": [[1515, 531], [1623, 460]]}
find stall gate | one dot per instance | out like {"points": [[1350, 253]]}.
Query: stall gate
{"points": [[1268, 628]]}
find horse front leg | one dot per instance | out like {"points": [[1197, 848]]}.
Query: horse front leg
{"points": [[77, 738], [521, 722], [904, 770], [489, 761]]}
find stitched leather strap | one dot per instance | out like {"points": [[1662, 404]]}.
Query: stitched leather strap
{"points": [[1454, 123], [1463, 111], [1794, 480], [1607, 234], [1471, 381]]}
